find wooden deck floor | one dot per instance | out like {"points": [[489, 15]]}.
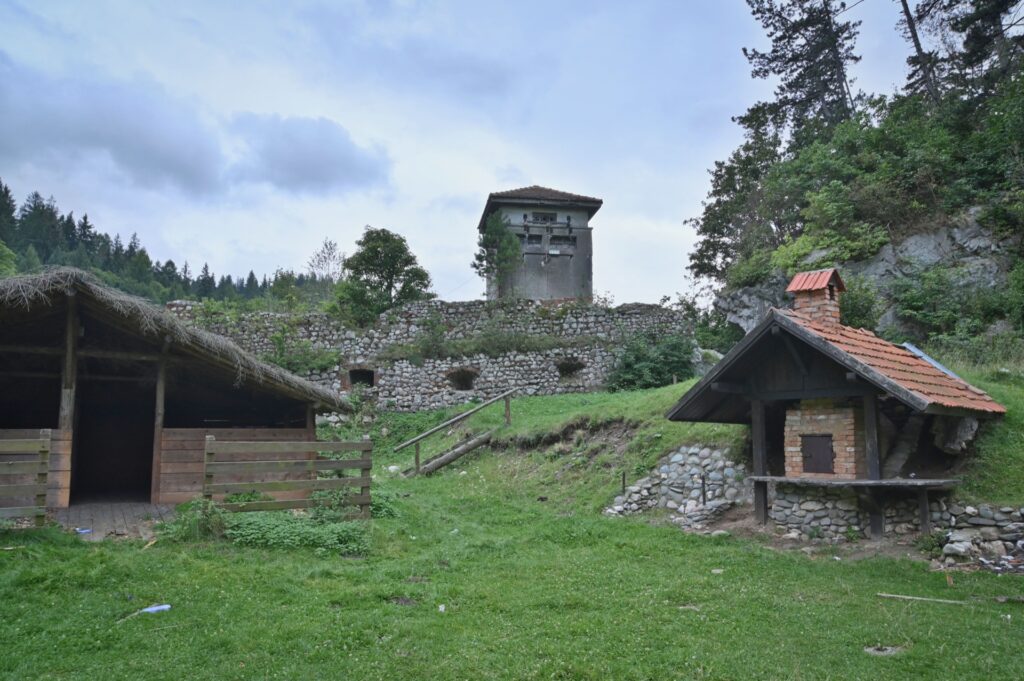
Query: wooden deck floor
{"points": [[95, 521]]}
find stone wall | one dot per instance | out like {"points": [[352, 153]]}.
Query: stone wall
{"points": [[591, 335], [695, 483]]}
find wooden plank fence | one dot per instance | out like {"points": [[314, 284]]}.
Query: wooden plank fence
{"points": [[31, 458], [238, 469]]}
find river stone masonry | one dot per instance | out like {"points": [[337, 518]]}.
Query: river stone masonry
{"points": [[695, 483], [592, 335]]}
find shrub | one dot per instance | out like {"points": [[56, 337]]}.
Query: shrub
{"points": [[299, 356], [196, 520], [278, 529], [749, 271], [860, 306], [936, 303], [382, 504], [651, 361]]}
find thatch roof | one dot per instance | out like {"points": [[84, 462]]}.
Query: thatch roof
{"points": [[27, 291]]}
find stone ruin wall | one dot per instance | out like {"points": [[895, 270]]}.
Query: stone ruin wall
{"points": [[592, 337]]}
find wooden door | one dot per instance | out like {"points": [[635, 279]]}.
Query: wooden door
{"points": [[817, 453]]}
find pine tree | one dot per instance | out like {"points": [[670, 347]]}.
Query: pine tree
{"points": [[251, 288], [39, 225], [30, 261], [810, 52], [205, 285], [8, 212]]}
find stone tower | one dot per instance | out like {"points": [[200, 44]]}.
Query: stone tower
{"points": [[554, 234]]}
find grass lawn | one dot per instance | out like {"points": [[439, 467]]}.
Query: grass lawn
{"points": [[531, 589]]}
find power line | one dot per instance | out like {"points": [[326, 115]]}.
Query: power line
{"points": [[847, 9]]}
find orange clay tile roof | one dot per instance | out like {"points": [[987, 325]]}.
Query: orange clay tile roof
{"points": [[900, 365], [815, 281]]}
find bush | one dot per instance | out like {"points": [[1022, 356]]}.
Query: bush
{"points": [[299, 356], [652, 361], [382, 504], [935, 302], [278, 529], [196, 520], [749, 271], [860, 306]]}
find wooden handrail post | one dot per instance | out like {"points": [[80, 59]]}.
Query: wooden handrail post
{"points": [[508, 410], [417, 458], [207, 475]]}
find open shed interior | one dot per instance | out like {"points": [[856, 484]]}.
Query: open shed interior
{"points": [[105, 398]]}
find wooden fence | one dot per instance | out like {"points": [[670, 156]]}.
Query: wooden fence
{"points": [[237, 470], [27, 459]]}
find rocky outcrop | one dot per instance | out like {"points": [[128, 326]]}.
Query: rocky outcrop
{"points": [[982, 258], [747, 306]]}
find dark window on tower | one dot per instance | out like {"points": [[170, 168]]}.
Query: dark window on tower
{"points": [[545, 217], [557, 240], [817, 453], [534, 239], [831, 292]]}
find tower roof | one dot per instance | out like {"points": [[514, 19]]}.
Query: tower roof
{"points": [[537, 195]]}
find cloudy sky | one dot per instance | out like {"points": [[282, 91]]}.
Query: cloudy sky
{"points": [[243, 134]]}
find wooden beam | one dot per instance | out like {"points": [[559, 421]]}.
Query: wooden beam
{"points": [[119, 354], [923, 510], [791, 349], [158, 427], [81, 377], [30, 350], [870, 403], [759, 442], [69, 369], [730, 388]]}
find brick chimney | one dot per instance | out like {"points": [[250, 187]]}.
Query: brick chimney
{"points": [[817, 294]]}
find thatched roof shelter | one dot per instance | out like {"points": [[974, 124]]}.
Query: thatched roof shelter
{"points": [[129, 392], [34, 291]]}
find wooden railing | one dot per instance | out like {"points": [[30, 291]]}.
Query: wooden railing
{"points": [[239, 470], [507, 396], [25, 458]]}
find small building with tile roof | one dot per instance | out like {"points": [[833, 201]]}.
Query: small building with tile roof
{"points": [[831, 405], [555, 239]]}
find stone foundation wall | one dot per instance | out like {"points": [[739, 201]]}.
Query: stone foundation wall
{"points": [[675, 483]]}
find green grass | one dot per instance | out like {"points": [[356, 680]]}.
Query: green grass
{"points": [[996, 471], [532, 589]]}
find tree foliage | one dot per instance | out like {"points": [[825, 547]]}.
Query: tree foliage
{"points": [[382, 273], [497, 251], [816, 181], [651, 362]]}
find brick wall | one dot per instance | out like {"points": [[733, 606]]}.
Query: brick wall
{"points": [[844, 422], [821, 305]]}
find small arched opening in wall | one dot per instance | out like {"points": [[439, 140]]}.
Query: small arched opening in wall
{"points": [[569, 367], [361, 376], [462, 378]]}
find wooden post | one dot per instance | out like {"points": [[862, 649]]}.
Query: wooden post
{"points": [[311, 420], [158, 430], [417, 458], [66, 415], [365, 510], [207, 460], [43, 474], [923, 510], [871, 437], [760, 446], [508, 410]]}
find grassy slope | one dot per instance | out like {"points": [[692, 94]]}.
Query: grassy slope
{"points": [[532, 589], [996, 472]]}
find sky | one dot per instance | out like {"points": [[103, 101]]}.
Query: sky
{"points": [[244, 134]]}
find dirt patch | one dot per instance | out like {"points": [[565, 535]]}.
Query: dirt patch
{"points": [[402, 600]]}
